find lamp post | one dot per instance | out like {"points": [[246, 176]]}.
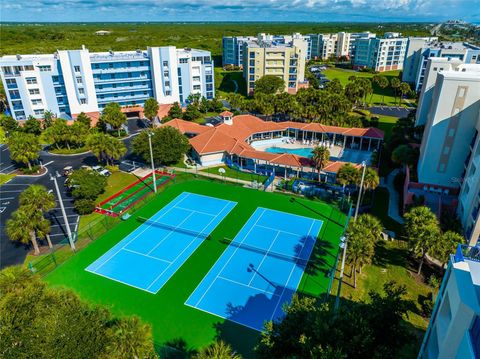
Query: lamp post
{"points": [[151, 159], [343, 244], [364, 165], [64, 214]]}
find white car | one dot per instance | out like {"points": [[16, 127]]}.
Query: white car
{"points": [[101, 170]]}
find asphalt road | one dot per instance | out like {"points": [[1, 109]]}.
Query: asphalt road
{"points": [[14, 253]]}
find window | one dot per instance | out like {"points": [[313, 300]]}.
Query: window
{"points": [[165, 63], [446, 150], [19, 114], [11, 83], [110, 65], [42, 68], [129, 74], [76, 68], [7, 70], [196, 87], [208, 78], [81, 90], [184, 60], [79, 80], [196, 78], [31, 80], [179, 71], [435, 69], [38, 112], [83, 101], [168, 93], [167, 83], [97, 66], [30, 68], [36, 102], [451, 132], [166, 73], [34, 91]]}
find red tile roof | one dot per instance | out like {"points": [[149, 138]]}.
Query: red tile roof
{"points": [[231, 138], [226, 114]]}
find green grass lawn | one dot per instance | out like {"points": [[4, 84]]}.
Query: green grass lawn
{"points": [[225, 82], [5, 178], [386, 123], [165, 311], [378, 93], [231, 173]]}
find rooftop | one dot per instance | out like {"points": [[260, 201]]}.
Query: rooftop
{"points": [[450, 45]]}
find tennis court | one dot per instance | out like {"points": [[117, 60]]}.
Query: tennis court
{"points": [[152, 253], [260, 270]]}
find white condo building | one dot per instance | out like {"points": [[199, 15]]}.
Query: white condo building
{"points": [[454, 328], [450, 126], [72, 81]]}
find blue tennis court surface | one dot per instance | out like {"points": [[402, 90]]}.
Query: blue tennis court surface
{"points": [[150, 255], [260, 270]]}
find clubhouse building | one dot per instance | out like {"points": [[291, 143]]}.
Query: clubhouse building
{"points": [[282, 148]]}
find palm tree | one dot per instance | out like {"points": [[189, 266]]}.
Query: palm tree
{"points": [[363, 234], [421, 229], [105, 148], [150, 109], [24, 148], [113, 115], [404, 89], [21, 228], [348, 175], [395, 84], [382, 82], [131, 339], [445, 245], [37, 200], [370, 180], [218, 350], [320, 157]]}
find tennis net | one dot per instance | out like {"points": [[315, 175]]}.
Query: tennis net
{"points": [[172, 228], [298, 260]]}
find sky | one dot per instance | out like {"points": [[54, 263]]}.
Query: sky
{"points": [[239, 10]]}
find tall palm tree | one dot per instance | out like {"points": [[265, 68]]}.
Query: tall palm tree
{"points": [[370, 180], [24, 148], [395, 84], [348, 175], [404, 89], [37, 201], [21, 228], [131, 339], [105, 148], [363, 234], [218, 350], [320, 157]]}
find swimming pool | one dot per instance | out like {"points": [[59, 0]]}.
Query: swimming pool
{"points": [[304, 152]]}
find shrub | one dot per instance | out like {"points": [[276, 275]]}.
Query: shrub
{"points": [[84, 206]]}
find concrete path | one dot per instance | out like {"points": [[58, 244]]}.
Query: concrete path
{"points": [[394, 197]]}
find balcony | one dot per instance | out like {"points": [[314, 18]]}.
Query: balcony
{"points": [[12, 86], [122, 89], [111, 70], [120, 79]]}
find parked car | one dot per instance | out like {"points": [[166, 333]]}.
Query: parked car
{"points": [[67, 171], [101, 170]]}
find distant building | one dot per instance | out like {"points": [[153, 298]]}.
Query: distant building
{"points": [[454, 328], [339, 44], [73, 81], [102, 32], [380, 54], [232, 46], [264, 56], [421, 49], [413, 58], [452, 110]]}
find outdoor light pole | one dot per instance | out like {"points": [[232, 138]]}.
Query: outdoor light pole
{"points": [[364, 165], [343, 244], [64, 214], [151, 159]]}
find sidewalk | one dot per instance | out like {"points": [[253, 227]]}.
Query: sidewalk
{"points": [[394, 197]]}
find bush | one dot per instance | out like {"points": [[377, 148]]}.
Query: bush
{"points": [[27, 171], [84, 206], [426, 304]]}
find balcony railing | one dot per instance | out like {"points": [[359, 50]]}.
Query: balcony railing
{"points": [[467, 252]]}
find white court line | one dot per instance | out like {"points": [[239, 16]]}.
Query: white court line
{"points": [[145, 255], [118, 281], [246, 285], [229, 259], [264, 257], [194, 210], [186, 247], [290, 275], [278, 230], [134, 237]]}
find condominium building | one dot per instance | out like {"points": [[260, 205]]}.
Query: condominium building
{"points": [[266, 57], [450, 127], [421, 49], [468, 210], [413, 57], [358, 35], [232, 46], [380, 54], [454, 328], [72, 81]]}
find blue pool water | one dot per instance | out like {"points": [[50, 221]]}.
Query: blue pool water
{"points": [[304, 152]]}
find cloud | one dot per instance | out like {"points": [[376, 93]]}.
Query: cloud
{"points": [[241, 10]]}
